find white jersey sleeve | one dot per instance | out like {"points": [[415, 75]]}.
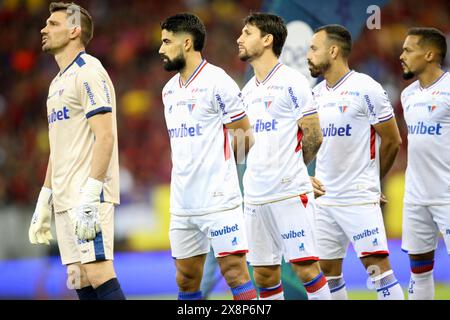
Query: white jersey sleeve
{"points": [[95, 93], [376, 100], [301, 98], [228, 100]]}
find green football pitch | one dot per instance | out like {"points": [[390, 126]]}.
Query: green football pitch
{"points": [[442, 293]]}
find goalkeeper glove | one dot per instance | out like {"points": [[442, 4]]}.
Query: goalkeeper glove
{"points": [[39, 231], [87, 220]]}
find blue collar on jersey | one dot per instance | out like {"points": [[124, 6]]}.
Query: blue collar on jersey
{"points": [[269, 75], [340, 81], [77, 59], [194, 74]]}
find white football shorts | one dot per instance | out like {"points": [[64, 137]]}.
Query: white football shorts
{"points": [[224, 231], [362, 225], [281, 229], [73, 250], [422, 225]]}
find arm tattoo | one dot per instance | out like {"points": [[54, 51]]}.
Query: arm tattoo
{"points": [[312, 138]]}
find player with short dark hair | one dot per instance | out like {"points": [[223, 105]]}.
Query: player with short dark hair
{"points": [[278, 197], [426, 108], [360, 143], [204, 112]]}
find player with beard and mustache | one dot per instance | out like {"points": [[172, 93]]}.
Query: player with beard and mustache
{"points": [[278, 194], [426, 106], [203, 110], [360, 143]]}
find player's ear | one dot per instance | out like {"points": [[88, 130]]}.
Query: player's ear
{"points": [[188, 44], [268, 39], [75, 32], [430, 55], [334, 51]]}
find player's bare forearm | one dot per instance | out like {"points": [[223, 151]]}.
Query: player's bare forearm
{"points": [[101, 125], [243, 139], [390, 144], [388, 152], [48, 175], [101, 157], [312, 137]]}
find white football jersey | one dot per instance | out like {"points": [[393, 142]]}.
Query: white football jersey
{"points": [[275, 167], [204, 176], [348, 159], [79, 92], [427, 115]]}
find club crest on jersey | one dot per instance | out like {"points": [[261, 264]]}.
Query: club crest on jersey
{"points": [[431, 108], [268, 102], [342, 109], [191, 105]]}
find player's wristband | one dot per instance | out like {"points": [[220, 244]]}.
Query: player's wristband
{"points": [[45, 196], [93, 187]]}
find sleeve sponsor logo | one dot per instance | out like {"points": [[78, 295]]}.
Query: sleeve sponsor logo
{"points": [[293, 97], [221, 103], [89, 93]]}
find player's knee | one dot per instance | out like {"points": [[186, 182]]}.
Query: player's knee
{"points": [[234, 275], [306, 270], [99, 272], [235, 271], [188, 281], [265, 277], [331, 268]]}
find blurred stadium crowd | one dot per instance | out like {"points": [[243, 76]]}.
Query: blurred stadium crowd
{"points": [[126, 40]]}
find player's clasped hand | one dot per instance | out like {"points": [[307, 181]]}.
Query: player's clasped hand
{"points": [[39, 231], [383, 199], [319, 189], [87, 218]]}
